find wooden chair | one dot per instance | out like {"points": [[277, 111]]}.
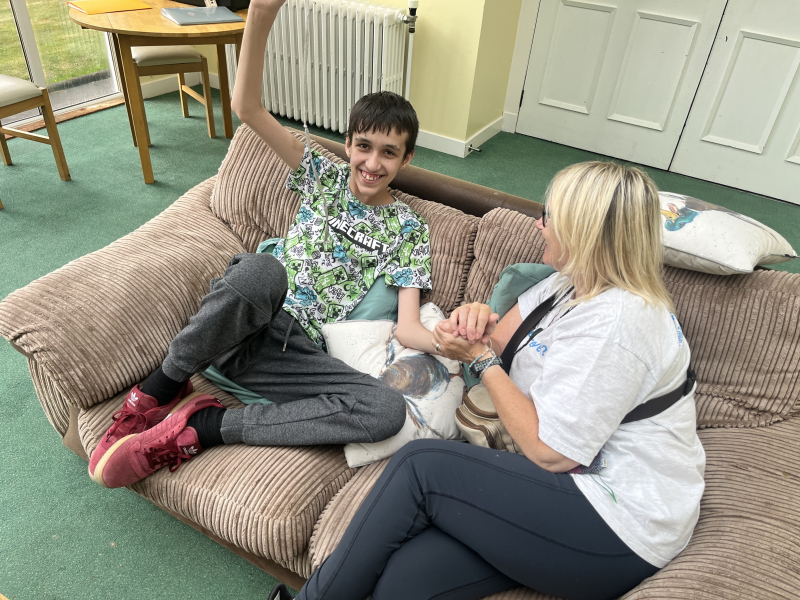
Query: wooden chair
{"points": [[18, 95], [173, 60]]}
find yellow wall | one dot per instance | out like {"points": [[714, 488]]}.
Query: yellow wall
{"points": [[461, 61], [210, 52], [495, 51], [443, 64]]}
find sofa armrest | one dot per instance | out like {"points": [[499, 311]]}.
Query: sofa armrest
{"points": [[104, 321]]}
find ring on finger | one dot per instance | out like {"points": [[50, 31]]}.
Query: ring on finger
{"points": [[438, 347]]}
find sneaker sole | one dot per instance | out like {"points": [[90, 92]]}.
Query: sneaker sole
{"points": [[97, 476]]}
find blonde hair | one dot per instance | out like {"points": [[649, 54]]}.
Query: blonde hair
{"points": [[607, 219]]}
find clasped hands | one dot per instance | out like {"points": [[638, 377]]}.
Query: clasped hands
{"points": [[465, 335]]}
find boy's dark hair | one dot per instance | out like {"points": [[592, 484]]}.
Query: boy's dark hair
{"points": [[384, 112]]}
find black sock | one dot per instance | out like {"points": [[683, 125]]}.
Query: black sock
{"points": [[161, 387], [207, 422]]}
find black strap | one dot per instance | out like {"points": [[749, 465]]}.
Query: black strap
{"points": [[649, 409], [524, 330], [658, 405]]}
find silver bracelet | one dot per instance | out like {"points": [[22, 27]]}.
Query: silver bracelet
{"points": [[489, 349]]}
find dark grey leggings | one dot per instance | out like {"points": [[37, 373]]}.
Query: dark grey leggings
{"points": [[242, 329], [448, 520]]}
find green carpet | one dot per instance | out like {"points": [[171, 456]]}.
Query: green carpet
{"points": [[61, 535]]}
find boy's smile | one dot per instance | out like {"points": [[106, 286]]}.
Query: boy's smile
{"points": [[375, 159]]}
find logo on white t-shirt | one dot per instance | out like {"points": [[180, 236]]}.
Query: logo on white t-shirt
{"points": [[538, 347], [678, 327]]}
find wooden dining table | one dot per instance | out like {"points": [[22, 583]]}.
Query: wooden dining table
{"points": [[149, 28]]}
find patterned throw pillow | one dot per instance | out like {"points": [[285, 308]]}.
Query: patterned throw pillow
{"points": [[432, 385], [704, 237]]}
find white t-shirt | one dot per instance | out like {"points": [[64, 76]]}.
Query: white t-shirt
{"points": [[585, 371]]}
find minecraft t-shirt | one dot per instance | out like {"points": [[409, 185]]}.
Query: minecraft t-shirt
{"points": [[327, 279]]}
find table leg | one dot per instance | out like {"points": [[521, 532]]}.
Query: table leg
{"points": [[137, 115], [224, 91], [122, 84]]}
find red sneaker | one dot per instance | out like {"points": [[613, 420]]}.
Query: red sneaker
{"points": [[169, 443], [139, 413]]}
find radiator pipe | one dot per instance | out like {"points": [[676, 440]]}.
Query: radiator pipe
{"points": [[411, 19]]}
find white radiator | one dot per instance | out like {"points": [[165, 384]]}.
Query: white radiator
{"points": [[355, 48]]}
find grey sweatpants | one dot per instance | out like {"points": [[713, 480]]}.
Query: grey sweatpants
{"points": [[241, 329]]}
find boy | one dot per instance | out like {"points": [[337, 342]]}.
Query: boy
{"points": [[260, 324]]}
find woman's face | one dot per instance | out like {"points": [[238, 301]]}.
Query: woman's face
{"points": [[552, 251]]}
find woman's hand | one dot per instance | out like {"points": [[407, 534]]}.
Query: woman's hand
{"points": [[455, 348], [473, 322]]}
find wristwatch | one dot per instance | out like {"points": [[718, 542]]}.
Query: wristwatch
{"points": [[477, 368]]}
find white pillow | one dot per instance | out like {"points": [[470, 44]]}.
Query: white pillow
{"points": [[432, 385], [701, 236]]}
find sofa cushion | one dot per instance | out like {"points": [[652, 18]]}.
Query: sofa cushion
{"points": [[338, 514], [430, 384], [743, 333], [104, 321], [701, 236], [250, 194], [452, 250], [505, 237], [251, 197], [742, 329], [514, 281], [521, 593], [300, 564], [264, 500], [745, 544]]}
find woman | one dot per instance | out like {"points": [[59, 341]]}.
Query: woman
{"points": [[449, 520]]}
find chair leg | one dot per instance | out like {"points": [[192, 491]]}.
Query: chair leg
{"points": [[55, 139], [207, 96], [182, 94], [4, 150]]}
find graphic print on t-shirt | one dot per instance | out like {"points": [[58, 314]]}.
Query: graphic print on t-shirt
{"points": [[364, 240], [328, 278]]}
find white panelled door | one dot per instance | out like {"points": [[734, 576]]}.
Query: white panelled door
{"points": [[744, 127], [617, 77]]}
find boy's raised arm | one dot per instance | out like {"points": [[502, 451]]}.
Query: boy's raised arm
{"points": [[246, 101]]}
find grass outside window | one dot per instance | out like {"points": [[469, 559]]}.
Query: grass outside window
{"points": [[66, 50]]}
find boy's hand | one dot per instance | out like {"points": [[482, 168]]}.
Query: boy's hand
{"points": [[473, 322], [455, 348], [246, 98], [267, 4]]}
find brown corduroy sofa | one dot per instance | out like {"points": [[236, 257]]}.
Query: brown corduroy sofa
{"points": [[93, 328]]}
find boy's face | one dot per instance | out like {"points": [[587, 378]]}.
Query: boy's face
{"points": [[375, 159]]}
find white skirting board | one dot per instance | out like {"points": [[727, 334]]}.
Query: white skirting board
{"points": [[460, 148], [510, 122], [169, 83]]}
